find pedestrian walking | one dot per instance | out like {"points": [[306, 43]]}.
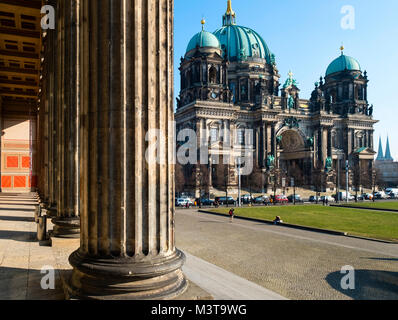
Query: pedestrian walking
{"points": [[232, 215]]}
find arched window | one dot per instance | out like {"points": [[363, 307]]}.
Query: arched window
{"points": [[334, 140], [241, 137], [189, 78], [213, 135], [213, 75]]}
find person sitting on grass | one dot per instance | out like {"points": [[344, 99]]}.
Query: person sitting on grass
{"points": [[278, 220]]}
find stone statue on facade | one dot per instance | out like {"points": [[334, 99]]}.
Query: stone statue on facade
{"points": [[328, 164], [290, 102], [270, 162]]}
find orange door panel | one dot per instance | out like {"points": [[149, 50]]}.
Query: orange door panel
{"points": [[19, 182], [6, 182], [25, 162], [12, 162]]}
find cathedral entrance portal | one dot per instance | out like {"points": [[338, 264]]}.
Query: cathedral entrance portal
{"points": [[294, 156]]}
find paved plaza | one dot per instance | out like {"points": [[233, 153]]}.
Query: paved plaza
{"points": [[239, 260], [21, 256], [294, 263]]}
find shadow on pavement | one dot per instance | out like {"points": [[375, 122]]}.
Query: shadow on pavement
{"points": [[382, 259], [17, 219], [18, 203], [24, 284], [369, 285], [23, 236], [211, 222], [17, 209]]}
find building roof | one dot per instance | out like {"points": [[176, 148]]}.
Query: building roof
{"points": [[203, 39], [239, 42], [343, 63], [388, 156]]}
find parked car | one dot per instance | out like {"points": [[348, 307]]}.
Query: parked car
{"points": [[204, 202], [280, 199], [262, 200], [225, 200], [359, 197], [312, 199], [328, 198], [368, 196], [343, 196], [393, 195], [183, 202], [245, 199], [392, 190], [381, 195], [295, 198]]}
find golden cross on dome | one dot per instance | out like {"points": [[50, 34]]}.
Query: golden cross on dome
{"points": [[229, 8], [342, 49], [203, 22], [290, 74]]}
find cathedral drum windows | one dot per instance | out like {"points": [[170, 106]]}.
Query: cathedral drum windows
{"points": [[240, 139], [214, 134]]}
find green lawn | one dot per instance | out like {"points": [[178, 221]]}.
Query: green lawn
{"points": [[373, 224], [392, 205]]}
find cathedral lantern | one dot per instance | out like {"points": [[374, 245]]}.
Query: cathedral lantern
{"points": [[203, 70], [346, 86]]}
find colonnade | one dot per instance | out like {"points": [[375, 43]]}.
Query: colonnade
{"points": [[108, 74]]}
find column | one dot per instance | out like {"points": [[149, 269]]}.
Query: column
{"points": [[329, 142], [324, 132], [127, 248], [67, 222], [350, 142], [268, 142], [1, 137], [320, 145], [274, 146], [52, 132], [257, 146]]}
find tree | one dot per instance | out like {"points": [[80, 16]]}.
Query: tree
{"points": [[318, 178], [255, 180], [297, 174], [203, 181], [222, 177], [179, 179], [379, 180]]}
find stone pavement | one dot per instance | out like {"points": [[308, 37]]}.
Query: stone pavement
{"points": [[21, 256], [240, 260], [224, 285], [296, 264]]}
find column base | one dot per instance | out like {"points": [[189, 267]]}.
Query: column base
{"points": [[159, 278], [52, 211], [66, 227]]}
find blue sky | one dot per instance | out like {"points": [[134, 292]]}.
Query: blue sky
{"points": [[305, 37]]}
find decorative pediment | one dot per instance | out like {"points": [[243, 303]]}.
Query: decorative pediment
{"points": [[365, 151]]}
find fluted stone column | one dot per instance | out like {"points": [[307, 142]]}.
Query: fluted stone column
{"points": [[127, 246], [67, 222], [268, 130], [52, 132]]}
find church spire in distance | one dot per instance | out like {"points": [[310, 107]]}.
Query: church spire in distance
{"points": [[229, 17], [388, 156], [380, 155]]}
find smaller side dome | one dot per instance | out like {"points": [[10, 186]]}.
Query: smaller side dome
{"points": [[343, 63], [203, 39]]}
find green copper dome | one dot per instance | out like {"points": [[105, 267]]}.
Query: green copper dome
{"points": [[343, 63], [203, 39], [240, 43]]}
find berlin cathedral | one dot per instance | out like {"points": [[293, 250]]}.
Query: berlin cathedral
{"points": [[230, 84]]}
